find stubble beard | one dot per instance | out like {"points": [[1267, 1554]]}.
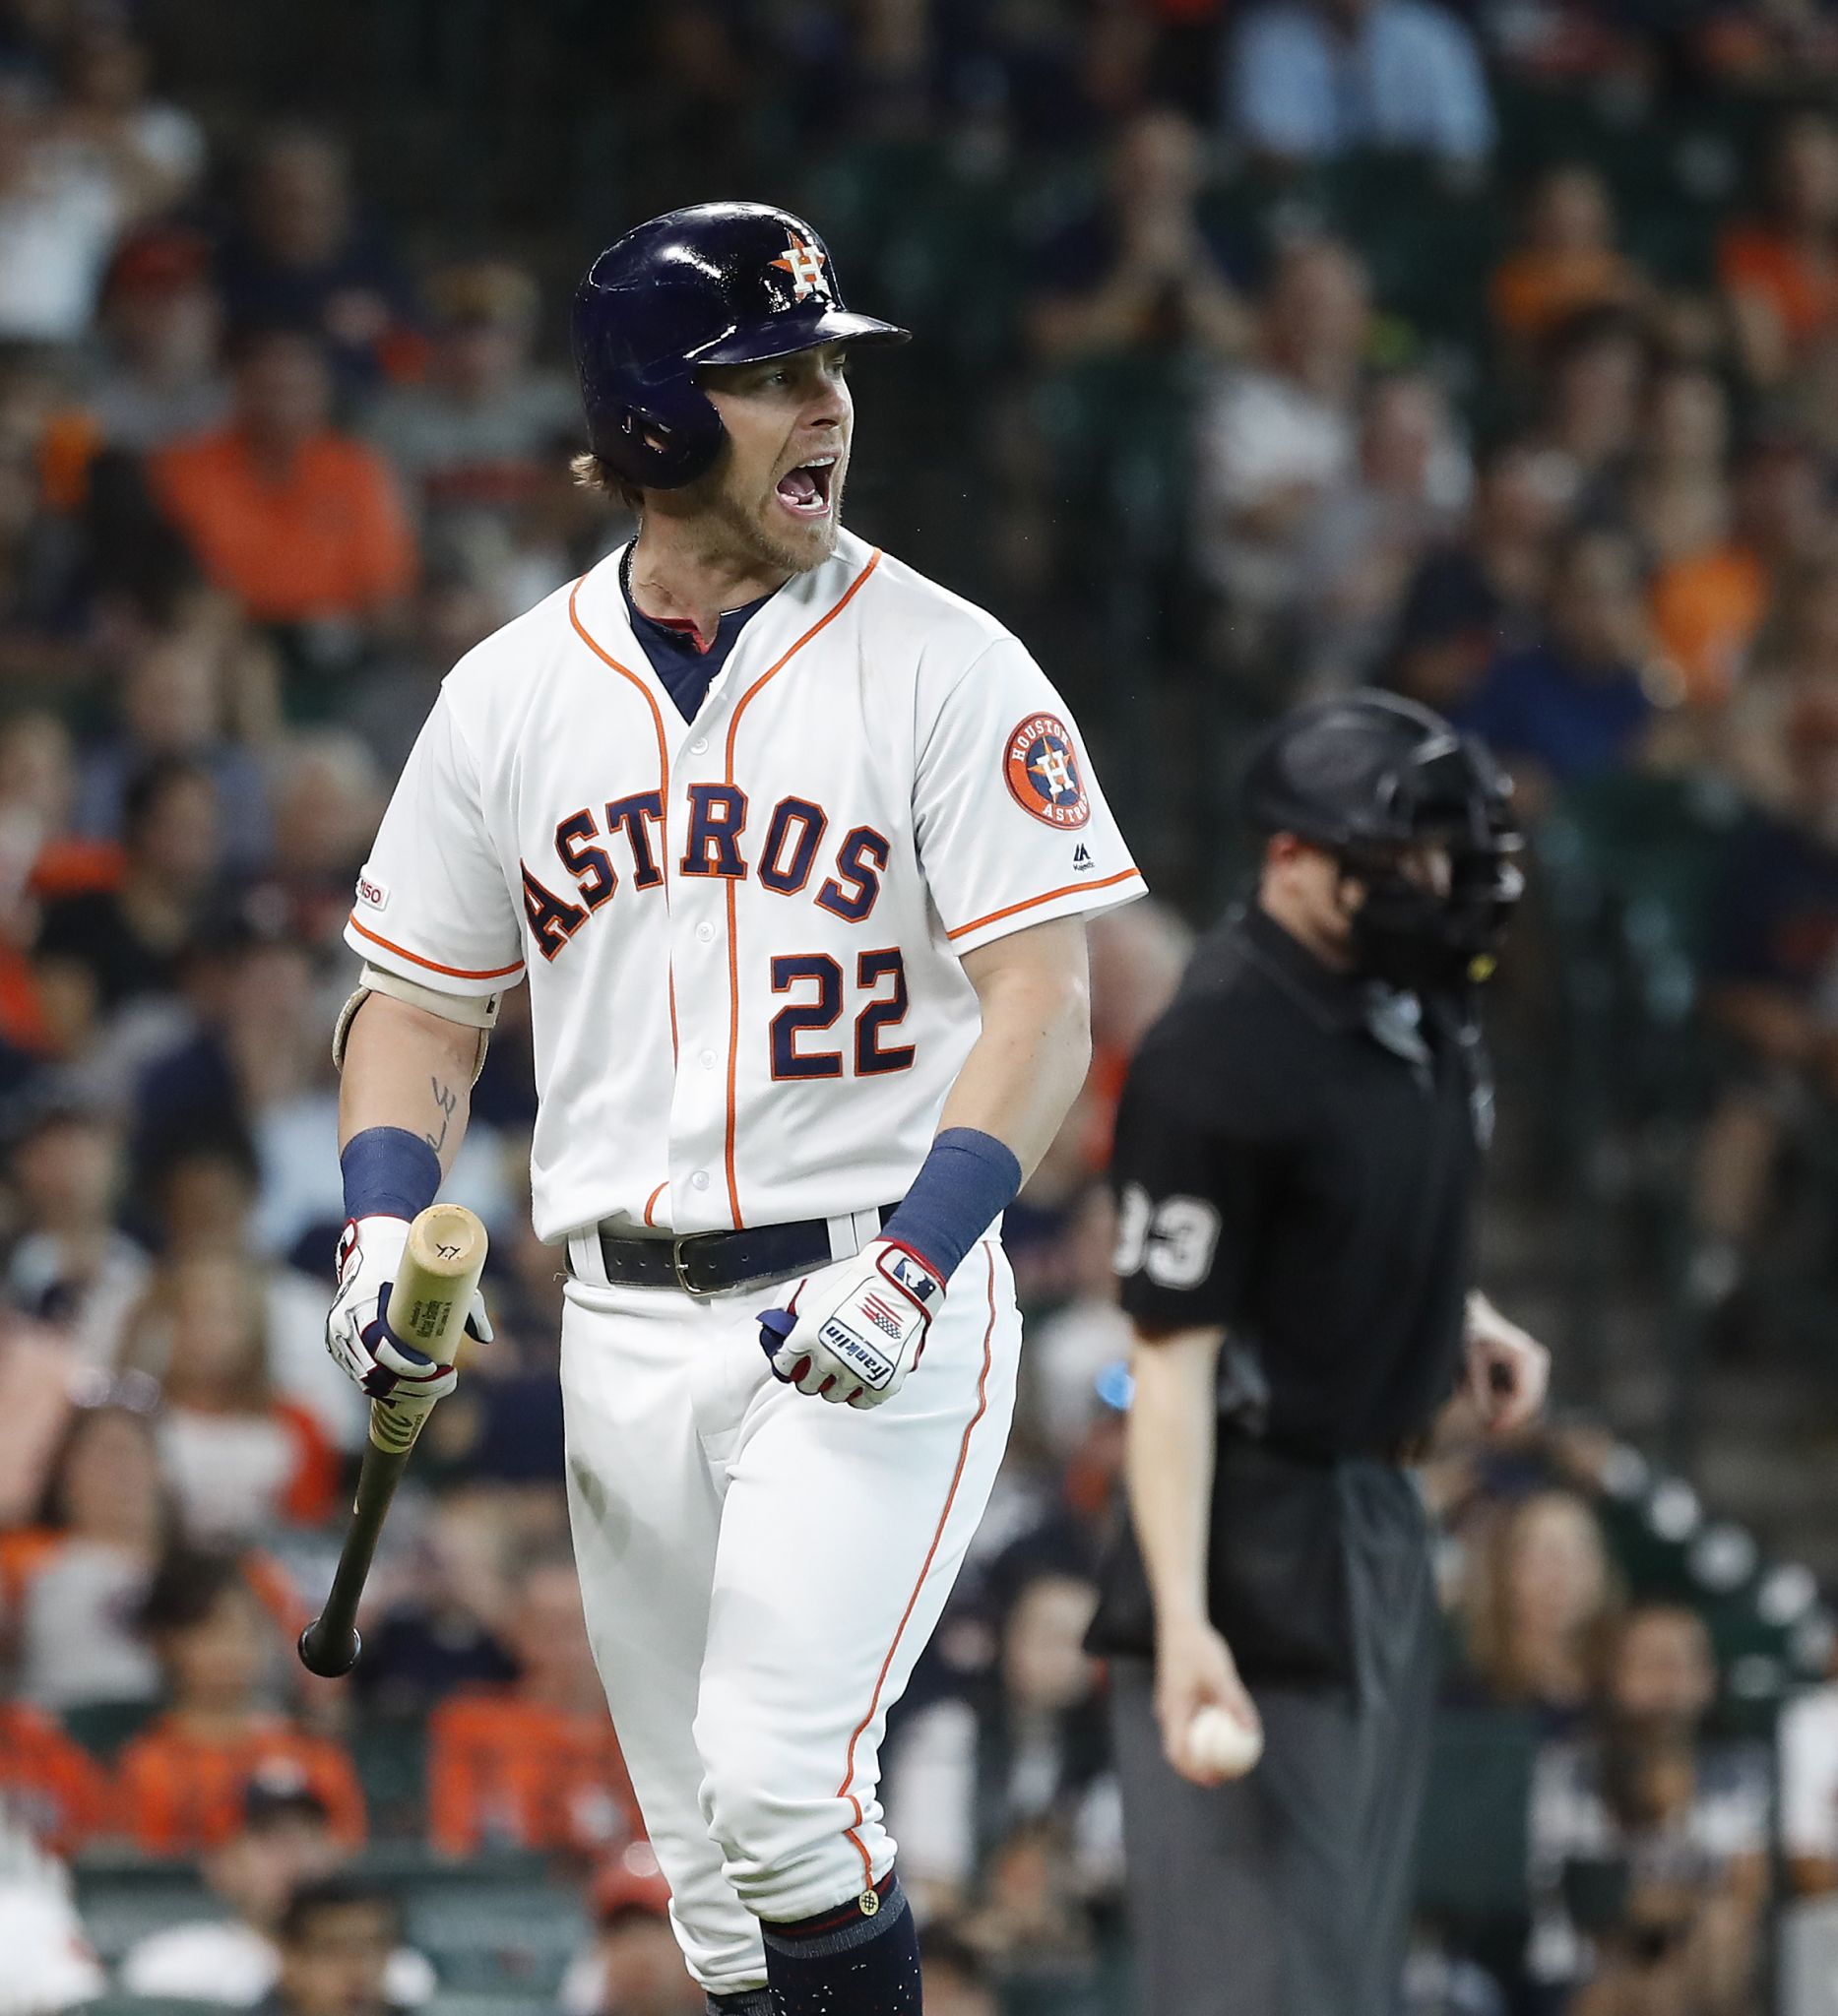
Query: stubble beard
{"points": [[751, 528]]}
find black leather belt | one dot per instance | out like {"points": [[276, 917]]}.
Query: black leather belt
{"points": [[711, 1263]]}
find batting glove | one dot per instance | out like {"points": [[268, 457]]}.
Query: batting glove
{"points": [[855, 1340], [359, 1339]]}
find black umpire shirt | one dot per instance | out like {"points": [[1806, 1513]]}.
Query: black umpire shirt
{"points": [[1296, 1160]]}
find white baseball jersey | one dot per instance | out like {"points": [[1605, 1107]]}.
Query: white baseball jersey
{"points": [[742, 933]]}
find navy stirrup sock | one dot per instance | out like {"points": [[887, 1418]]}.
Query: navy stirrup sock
{"points": [[754, 2002], [846, 1962]]}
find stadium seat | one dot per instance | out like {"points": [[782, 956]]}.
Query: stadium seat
{"points": [[104, 1726], [149, 2005], [1053, 1997], [1121, 429], [411, 1862], [445, 2004], [1428, 244], [1471, 1849], [1809, 1958], [120, 1907], [1630, 872], [390, 1755], [497, 1937], [1654, 846], [917, 226]]}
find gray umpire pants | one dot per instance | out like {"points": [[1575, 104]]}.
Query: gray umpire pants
{"points": [[1288, 1893]]}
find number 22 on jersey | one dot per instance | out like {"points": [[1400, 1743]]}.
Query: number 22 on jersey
{"points": [[880, 1000]]}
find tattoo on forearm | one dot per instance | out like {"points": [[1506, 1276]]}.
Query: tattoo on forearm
{"points": [[448, 1100]]}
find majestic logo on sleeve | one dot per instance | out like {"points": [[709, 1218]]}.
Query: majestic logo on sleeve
{"points": [[805, 263], [1043, 771]]}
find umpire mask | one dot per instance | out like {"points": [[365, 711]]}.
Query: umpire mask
{"points": [[1372, 779]]}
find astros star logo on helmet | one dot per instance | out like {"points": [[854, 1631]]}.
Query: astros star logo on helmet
{"points": [[803, 261]]}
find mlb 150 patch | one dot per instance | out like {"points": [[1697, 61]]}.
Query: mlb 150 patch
{"points": [[1043, 771]]}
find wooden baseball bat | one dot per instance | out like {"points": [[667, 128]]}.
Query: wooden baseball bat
{"points": [[428, 1302]]}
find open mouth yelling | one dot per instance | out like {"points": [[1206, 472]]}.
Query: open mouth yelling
{"points": [[805, 492]]}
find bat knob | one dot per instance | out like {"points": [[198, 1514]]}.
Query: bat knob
{"points": [[328, 1660]]}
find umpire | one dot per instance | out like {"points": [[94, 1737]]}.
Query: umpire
{"points": [[1297, 1155]]}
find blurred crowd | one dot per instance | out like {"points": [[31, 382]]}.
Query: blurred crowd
{"points": [[1488, 351]]}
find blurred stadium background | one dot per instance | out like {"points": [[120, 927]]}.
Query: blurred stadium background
{"points": [[1501, 367]]}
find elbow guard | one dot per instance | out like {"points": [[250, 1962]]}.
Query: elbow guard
{"points": [[471, 1011]]}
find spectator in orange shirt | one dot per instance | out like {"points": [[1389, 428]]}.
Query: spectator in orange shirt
{"points": [[1678, 490], [303, 523], [1781, 272], [182, 1783], [54, 1786], [1568, 261], [535, 1765], [1707, 607]]}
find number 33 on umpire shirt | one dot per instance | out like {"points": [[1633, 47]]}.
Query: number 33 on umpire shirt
{"points": [[741, 930], [1297, 1157]]}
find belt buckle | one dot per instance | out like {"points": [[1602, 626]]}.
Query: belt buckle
{"points": [[676, 1262]]}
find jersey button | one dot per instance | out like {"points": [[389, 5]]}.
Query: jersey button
{"points": [[706, 932], [700, 1179], [708, 1060], [700, 746]]}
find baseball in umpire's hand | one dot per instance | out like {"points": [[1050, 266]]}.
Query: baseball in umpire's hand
{"points": [[852, 1333], [1221, 1745]]}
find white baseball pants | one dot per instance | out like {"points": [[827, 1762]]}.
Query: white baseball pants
{"points": [[760, 1571]]}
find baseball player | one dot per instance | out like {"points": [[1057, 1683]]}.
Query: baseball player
{"points": [[794, 848]]}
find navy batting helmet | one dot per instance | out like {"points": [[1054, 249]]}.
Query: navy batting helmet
{"points": [[717, 283]]}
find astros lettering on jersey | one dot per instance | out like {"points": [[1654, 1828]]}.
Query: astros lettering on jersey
{"points": [[742, 932]]}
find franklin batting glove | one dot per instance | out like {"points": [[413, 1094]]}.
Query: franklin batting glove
{"points": [[853, 1333], [357, 1334]]}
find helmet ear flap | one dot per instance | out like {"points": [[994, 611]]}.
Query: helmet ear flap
{"points": [[658, 449], [645, 432]]}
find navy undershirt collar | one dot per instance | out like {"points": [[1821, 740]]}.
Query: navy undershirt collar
{"points": [[686, 669]]}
